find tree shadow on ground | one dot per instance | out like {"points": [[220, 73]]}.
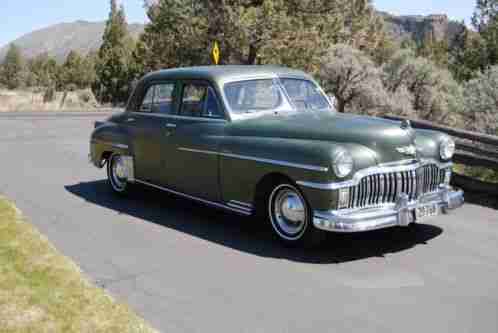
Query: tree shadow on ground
{"points": [[248, 234]]}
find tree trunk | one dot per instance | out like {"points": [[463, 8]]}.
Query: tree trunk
{"points": [[253, 54], [341, 105]]}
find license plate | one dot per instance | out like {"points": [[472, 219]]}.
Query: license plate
{"points": [[426, 211]]}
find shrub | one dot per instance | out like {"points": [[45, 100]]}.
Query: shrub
{"points": [[353, 79], [432, 92], [481, 102]]}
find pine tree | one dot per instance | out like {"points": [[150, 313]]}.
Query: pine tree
{"points": [[485, 21], [290, 32], [467, 55], [13, 69], [113, 66], [77, 72], [43, 70]]}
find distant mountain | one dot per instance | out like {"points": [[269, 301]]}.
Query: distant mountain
{"points": [[58, 40]]}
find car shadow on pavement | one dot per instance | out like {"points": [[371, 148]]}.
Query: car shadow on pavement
{"points": [[248, 234]]}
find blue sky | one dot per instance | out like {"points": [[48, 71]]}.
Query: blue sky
{"points": [[23, 16]]}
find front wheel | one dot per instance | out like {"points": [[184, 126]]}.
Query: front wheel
{"points": [[291, 217], [116, 174]]}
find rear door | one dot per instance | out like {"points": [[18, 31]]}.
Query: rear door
{"points": [[192, 166]]}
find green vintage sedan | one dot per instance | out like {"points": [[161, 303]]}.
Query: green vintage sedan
{"points": [[266, 141]]}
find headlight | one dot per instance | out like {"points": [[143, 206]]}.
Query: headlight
{"points": [[342, 163], [447, 148]]}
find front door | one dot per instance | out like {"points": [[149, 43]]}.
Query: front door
{"points": [[148, 126], [192, 165]]}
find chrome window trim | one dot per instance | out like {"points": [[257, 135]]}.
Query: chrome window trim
{"points": [[379, 169], [258, 159], [173, 116], [238, 210]]}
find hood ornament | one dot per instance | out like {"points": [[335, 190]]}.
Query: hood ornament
{"points": [[406, 124]]}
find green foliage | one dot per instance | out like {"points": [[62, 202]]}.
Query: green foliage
{"points": [[77, 72], [13, 74], [288, 32], [485, 20], [43, 71], [435, 50], [468, 55], [114, 58]]}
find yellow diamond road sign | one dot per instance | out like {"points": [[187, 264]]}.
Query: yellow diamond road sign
{"points": [[216, 53]]}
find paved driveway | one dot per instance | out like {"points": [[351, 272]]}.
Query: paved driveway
{"points": [[188, 268]]}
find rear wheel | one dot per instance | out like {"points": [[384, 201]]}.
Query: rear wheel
{"points": [[116, 174], [291, 217]]}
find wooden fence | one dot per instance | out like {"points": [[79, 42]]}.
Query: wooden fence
{"points": [[472, 149]]}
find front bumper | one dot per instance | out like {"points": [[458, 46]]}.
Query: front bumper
{"points": [[401, 213]]}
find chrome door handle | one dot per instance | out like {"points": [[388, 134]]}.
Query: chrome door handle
{"points": [[129, 120], [170, 125]]}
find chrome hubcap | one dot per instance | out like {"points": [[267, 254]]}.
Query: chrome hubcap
{"points": [[118, 173], [289, 212]]}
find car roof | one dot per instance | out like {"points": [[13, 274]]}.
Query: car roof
{"points": [[222, 74]]}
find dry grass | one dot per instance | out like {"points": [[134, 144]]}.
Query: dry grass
{"points": [[43, 291], [18, 100]]}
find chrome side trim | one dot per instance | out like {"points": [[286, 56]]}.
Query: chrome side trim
{"points": [[208, 152], [240, 205], [204, 201], [380, 169], [278, 162], [258, 159]]}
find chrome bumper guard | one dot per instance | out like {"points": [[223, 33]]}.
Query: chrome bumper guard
{"points": [[402, 213]]}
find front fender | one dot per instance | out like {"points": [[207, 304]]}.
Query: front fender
{"points": [[244, 161], [108, 138]]}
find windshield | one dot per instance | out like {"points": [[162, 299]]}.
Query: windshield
{"points": [[268, 94]]}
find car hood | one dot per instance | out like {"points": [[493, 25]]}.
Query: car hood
{"points": [[381, 136]]}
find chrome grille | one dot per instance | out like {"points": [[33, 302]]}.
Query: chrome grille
{"points": [[385, 187]]}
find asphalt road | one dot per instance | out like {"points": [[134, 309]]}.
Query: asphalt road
{"points": [[188, 268]]}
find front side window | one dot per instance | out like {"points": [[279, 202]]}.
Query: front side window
{"points": [[199, 100], [254, 95], [305, 94], [271, 94]]}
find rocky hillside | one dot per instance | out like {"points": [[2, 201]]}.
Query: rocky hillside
{"points": [[83, 36], [420, 27], [57, 40]]}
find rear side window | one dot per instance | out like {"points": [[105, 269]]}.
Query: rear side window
{"points": [[159, 99], [199, 100]]}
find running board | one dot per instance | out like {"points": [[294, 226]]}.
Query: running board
{"points": [[236, 209]]}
